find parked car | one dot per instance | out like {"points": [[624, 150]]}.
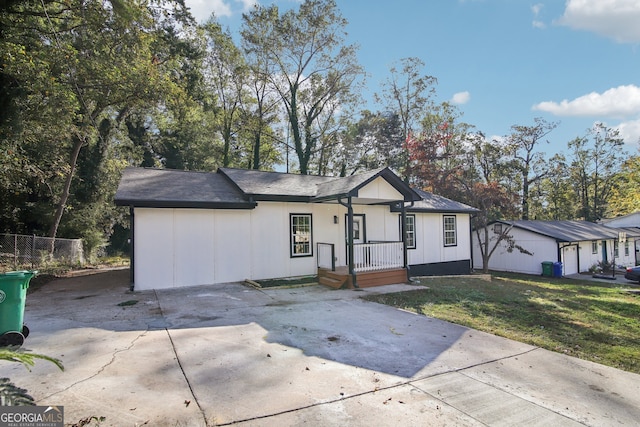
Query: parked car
{"points": [[633, 273]]}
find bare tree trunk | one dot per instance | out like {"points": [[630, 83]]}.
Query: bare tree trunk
{"points": [[64, 197]]}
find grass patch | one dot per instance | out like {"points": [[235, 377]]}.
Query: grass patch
{"points": [[288, 281], [586, 319]]}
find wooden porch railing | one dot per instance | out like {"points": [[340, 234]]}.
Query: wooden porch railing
{"points": [[376, 256]]}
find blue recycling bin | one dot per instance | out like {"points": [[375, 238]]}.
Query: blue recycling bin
{"points": [[557, 269]]}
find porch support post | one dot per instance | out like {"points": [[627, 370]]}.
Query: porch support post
{"points": [[132, 264], [350, 242], [403, 228]]}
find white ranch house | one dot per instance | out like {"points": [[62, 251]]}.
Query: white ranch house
{"points": [[194, 228], [578, 245], [629, 223]]}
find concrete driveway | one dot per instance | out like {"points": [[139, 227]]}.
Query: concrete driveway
{"points": [[234, 355]]}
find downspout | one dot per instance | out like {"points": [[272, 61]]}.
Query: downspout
{"points": [[350, 238], [403, 222], [132, 233], [471, 267]]}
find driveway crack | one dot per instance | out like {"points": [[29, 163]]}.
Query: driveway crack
{"points": [[102, 368], [184, 374]]}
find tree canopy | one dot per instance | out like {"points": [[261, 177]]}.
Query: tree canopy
{"points": [[89, 87]]}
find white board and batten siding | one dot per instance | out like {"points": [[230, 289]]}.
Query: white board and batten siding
{"points": [[185, 247], [542, 249], [379, 189], [576, 257], [430, 246]]}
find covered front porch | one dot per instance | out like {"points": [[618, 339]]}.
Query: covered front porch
{"points": [[371, 202]]}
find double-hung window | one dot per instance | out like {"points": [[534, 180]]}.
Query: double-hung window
{"points": [[594, 247], [450, 232], [300, 228], [410, 230]]}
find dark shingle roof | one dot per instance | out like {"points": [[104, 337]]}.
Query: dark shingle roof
{"points": [[433, 203], [241, 188], [275, 184], [567, 231], [279, 186], [145, 187], [338, 186]]}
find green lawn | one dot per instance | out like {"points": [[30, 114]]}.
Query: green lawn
{"points": [[590, 320]]}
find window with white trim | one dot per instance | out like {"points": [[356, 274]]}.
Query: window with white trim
{"points": [[300, 230], [594, 247], [626, 248], [450, 231], [616, 248]]}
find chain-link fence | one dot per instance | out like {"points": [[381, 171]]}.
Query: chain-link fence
{"points": [[22, 250]]}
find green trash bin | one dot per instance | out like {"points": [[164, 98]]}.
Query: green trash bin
{"points": [[547, 268], [13, 293]]}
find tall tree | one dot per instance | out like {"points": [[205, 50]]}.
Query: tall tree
{"points": [[556, 200], [407, 93], [228, 77], [78, 63], [370, 143], [436, 152], [481, 183], [261, 110], [314, 72], [597, 158], [528, 163], [624, 198]]}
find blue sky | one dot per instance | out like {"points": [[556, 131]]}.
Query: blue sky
{"points": [[503, 62]]}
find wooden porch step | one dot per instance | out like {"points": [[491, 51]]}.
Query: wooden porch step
{"points": [[342, 279], [335, 279], [382, 277], [331, 282]]}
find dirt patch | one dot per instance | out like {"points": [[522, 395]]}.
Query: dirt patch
{"points": [[93, 281]]}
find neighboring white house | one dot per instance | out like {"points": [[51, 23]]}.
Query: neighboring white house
{"points": [[628, 223], [578, 245], [192, 228]]}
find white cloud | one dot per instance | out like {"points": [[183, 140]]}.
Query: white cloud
{"points": [[461, 98], [536, 8], [630, 131], [538, 24], [616, 19], [202, 9], [247, 5], [621, 101]]}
